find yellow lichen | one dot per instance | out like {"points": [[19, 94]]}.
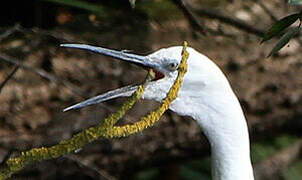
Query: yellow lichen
{"points": [[154, 116], [71, 145], [105, 129]]}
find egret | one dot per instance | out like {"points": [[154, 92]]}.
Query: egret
{"points": [[205, 95]]}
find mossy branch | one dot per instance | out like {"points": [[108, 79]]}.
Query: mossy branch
{"points": [[71, 145], [105, 129]]}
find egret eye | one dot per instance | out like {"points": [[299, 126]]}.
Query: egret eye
{"points": [[172, 66]]}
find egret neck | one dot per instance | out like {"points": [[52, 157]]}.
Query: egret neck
{"points": [[205, 95]]}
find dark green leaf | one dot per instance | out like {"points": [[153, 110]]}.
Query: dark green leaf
{"points": [[280, 26], [294, 2], [79, 4], [284, 40], [132, 3]]}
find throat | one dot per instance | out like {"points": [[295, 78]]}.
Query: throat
{"points": [[227, 133], [230, 156], [223, 123]]}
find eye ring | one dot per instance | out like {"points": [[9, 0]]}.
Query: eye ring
{"points": [[172, 66]]}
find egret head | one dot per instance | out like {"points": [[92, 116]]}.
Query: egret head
{"points": [[202, 79]]}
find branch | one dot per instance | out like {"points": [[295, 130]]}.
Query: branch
{"points": [[267, 11], [196, 25], [105, 129], [55, 35], [215, 14], [42, 73], [8, 77], [10, 31], [98, 173], [190, 16], [61, 36]]}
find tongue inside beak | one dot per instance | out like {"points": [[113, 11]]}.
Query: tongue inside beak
{"points": [[158, 75]]}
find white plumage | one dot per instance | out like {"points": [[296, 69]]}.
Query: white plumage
{"points": [[205, 95]]}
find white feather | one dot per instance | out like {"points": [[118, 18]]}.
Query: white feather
{"points": [[207, 97]]}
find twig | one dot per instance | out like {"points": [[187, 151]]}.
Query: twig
{"points": [[196, 25], [190, 16], [8, 77], [19, 28], [220, 32], [100, 173], [268, 12], [10, 31], [215, 14], [43, 74], [56, 35], [59, 36]]}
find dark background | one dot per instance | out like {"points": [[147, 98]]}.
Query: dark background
{"points": [[269, 89]]}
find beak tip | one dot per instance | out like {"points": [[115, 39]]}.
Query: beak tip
{"points": [[69, 108], [63, 45], [66, 109]]}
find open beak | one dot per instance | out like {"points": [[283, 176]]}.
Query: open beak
{"points": [[143, 61]]}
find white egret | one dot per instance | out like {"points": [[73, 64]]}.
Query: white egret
{"points": [[205, 95]]}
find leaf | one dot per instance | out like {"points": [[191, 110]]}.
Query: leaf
{"points": [[284, 40], [280, 26], [132, 3], [294, 2], [79, 4]]}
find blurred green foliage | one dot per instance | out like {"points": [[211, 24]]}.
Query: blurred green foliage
{"points": [[196, 169], [162, 10], [265, 149], [148, 174], [294, 2], [201, 168], [294, 172], [279, 27]]}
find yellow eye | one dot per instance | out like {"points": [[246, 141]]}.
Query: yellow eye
{"points": [[172, 66]]}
